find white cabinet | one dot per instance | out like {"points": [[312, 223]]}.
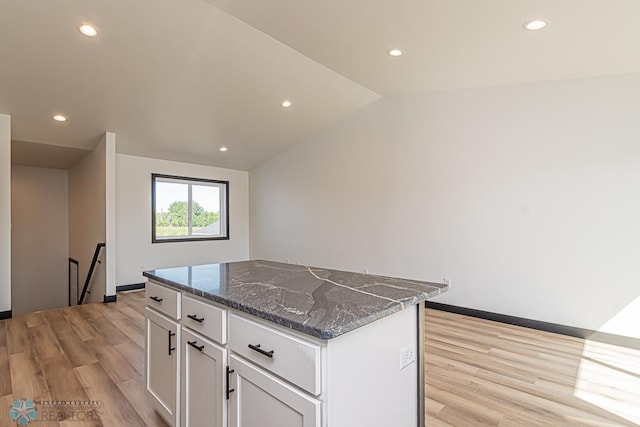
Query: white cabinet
{"points": [[210, 365], [262, 400], [162, 362], [203, 382]]}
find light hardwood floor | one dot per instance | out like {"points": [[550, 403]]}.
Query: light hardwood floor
{"points": [[483, 373], [88, 352], [478, 372]]}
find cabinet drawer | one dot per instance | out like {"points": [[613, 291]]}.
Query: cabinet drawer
{"points": [[291, 358], [163, 299], [205, 318]]}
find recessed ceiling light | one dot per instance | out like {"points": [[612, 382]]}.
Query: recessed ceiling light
{"points": [[395, 52], [223, 149], [536, 24], [59, 118], [286, 103], [88, 30]]}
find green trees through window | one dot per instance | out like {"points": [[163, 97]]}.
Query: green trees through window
{"points": [[178, 215]]}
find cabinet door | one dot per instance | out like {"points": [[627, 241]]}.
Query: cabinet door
{"points": [[262, 400], [162, 363], [203, 381]]}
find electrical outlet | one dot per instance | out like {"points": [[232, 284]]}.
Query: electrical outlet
{"points": [[407, 356], [447, 281], [365, 271]]}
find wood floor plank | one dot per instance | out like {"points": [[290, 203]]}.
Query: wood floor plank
{"points": [[530, 377], [133, 330], [17, 335], [33, 319], [3, 334], [134, 390], [432, 407], [44, 342], [5, 403], [107, 331], [80, 325], [27, 379], [114, 363], [57, 320], [5, 372], [76, 350], [471, 364], [505, 401], [135, 300], [112, 311], [434, 422], [136, 317], [91, 311], [131, 352], [61, 379], [116, 409]]}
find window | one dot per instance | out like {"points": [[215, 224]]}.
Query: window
{"points": [[185, 209]]}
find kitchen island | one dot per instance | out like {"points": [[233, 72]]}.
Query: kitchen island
{"points": [[261, 343]]}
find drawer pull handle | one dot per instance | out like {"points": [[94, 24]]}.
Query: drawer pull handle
{"points": [[156, 299], [229, 390], [195, 317], [257, 348], [171, 349], [195, 345]]}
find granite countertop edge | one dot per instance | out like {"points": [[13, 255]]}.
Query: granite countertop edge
{"points": [[322, 333]]}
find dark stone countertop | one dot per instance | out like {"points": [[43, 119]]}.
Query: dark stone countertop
{"points": [[316, 301]]}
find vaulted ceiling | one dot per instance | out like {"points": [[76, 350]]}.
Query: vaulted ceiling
{"points": [[180, 79]]}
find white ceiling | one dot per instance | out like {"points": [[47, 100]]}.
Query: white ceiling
{"points": [[178, 79], [453, 44]]}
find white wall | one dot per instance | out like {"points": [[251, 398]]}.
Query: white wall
{"points": [[87, 216], [526, 196], [5, 213], [133, 200], [39, 239]]}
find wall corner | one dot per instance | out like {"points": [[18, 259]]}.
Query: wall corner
{"points": [[5, 213]]}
